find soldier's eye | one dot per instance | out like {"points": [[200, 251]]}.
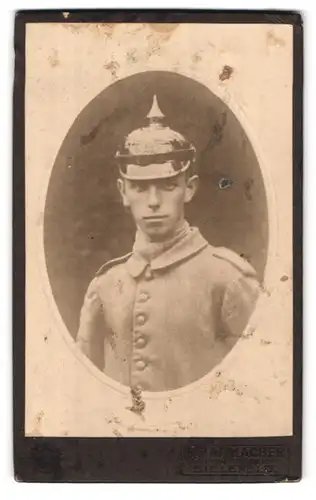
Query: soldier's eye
{"points": [[169, 185], [139, 186]]}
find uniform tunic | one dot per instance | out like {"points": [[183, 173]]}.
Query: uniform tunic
{"points": [[167, 323]]}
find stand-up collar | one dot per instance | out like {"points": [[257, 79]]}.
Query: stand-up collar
{"points": [[189, 245]]}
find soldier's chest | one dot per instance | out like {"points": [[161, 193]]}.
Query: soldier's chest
{"points": [[164, 300]]}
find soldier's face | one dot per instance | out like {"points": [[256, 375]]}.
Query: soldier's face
{"points": [[158, 205]]}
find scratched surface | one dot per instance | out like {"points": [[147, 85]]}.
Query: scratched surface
{"points": [[250, 69]]}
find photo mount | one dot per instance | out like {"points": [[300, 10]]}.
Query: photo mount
{"points": [[118, 459]]}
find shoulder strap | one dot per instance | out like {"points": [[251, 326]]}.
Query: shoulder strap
{"points": [[111, 263], [235, 260]]}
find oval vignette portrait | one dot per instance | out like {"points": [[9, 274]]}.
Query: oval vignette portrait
{"points": [[157, 172]]}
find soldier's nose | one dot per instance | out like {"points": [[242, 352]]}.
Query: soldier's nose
{"points": [[153, 197]]}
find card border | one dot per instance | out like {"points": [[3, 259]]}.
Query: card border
{"points": [[116, 459]]}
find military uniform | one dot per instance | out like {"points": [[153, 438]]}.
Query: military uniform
{"points": [[168, 320], [167, 323]]}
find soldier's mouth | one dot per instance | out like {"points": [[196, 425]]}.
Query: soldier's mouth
{"points": [[155, 217]]}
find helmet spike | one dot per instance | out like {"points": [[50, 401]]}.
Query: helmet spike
{"points": [[155, 112], [154, 151]]}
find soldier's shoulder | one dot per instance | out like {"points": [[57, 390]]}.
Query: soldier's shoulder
{"points": [[232, 260], [113, 263]]}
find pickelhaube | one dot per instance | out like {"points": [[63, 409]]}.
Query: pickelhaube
{"points": [[155, 150]]}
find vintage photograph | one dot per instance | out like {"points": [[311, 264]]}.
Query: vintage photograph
{"points": [[158, 229], [167, 308], [164, 314]]}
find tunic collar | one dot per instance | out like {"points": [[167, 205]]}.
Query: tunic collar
{"points": [[192, 243]]}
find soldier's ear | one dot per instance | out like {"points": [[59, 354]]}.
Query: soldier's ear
{"points": [[122, 190], [191, 188]]}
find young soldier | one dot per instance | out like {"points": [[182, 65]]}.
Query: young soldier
{"points": [[171, 309]]}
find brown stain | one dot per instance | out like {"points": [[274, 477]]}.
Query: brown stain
{"points": [[117, 433], [98, 29], [159, 34], [45, 339], [273, 40], [138, 405], [167, 404], [39, 417], [248, 333], [218, 129], [86, 139], [103, 29], [196, 58], [222, 386], [284, 278], [53, 59], [265, 342], [181, 425], [131, 56], [38, 421], [154, 44], [225, 183], [112, 66], [164, 29], [114, 420], [226, 73], [265, 291], [248, 187], [74, 28], [229, 385]]}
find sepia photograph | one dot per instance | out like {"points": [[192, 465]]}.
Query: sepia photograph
{"points": [[164, 314], [158, 203]]}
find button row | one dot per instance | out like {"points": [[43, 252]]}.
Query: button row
{"points": [[140, 364], [148, 274], [140, 342], [143, 296], [140, 319], [139, 387]]}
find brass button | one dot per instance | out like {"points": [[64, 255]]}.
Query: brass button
{"points": [[139, 387], [140, 364], [136, 389], [140, 319], [140, 342], [148, 274], [143, 296]]}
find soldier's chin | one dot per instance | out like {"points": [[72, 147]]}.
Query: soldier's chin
{"points": [[157, 233]]}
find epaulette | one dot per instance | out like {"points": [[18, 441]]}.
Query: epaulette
{"points": [[111, 263], [235, 260]]}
